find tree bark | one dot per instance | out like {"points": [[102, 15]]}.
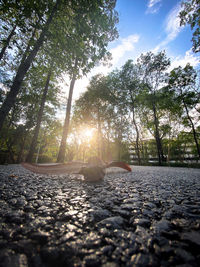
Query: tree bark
{"points": [[137, 131], [28, 45], [137, 138], [7, 42], [62, 149], [22, 70], [193, 129], [29, 157], [21, 151], [157, 137], [99, 137]]}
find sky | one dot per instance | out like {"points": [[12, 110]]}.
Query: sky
{"points": [[146, 25]]}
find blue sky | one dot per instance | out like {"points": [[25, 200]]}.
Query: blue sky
{"points": [[147, 25]]}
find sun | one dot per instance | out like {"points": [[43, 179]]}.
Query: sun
{"points": [[88, 132]]}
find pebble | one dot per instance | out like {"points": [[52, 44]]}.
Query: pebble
{"points": [[149, 217], [113, 222]]}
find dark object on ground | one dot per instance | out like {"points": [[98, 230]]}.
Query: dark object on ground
{"points": [[93, 174], [96, 169]]}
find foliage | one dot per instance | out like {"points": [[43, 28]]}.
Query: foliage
{"points": [[191, 15]]}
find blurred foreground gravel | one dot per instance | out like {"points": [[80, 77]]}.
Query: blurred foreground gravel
{"points": [[150, 217]]}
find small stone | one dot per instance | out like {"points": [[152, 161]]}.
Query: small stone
{"points": [[99, 214], [66, 237], [68, 215], [16, 260], [40, 236], [193, 237], [184, 255], [149, 205], [127, 206], [113, 222], [15, 217], [148, 213], [110, 264], [91, 260], [107, 250], [162, 225], [140, 260], [13, 201], [50, 255], [142, 222], [21, 202], [124, 213]]}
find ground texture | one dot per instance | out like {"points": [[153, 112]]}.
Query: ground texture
{"points": [[150, 217]]}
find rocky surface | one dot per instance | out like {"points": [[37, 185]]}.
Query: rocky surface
{"points": [[150, 217]]}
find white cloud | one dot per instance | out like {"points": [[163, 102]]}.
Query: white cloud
{"points": [[118, 52], [172, 27], [173, 23], [153, 6], [189, 57], [127, 44]]}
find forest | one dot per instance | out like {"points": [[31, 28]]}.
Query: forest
{"points": [[144, 112]]}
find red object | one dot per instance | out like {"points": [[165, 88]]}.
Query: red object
{"points": [[95, 161], [119, 164]]}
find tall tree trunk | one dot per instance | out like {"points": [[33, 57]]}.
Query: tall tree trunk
{"points": [[62, 150], [99, 141], [137, 136], [22, 70], [168, 151], [193, 129], [136, 128], [29, 157], [21, 151], [169, 142], [157, 137], [119, 148], [29, 45], [9, 144], [7, 42]]}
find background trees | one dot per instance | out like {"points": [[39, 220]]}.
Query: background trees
{"points": [[191, 15], [94, 27], [145, 106], [182, 81], [28, 55], [71, 35]]}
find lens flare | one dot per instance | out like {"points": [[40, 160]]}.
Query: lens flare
{"points": [[87, 132]]}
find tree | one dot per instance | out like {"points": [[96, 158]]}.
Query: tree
{"points": [[91, 108], [182, 80], [94, 28], [152, 70], [98, 109], [129, 87], [35, 104], [191, 15], [25, 65], [61, 153], [39, 116]]}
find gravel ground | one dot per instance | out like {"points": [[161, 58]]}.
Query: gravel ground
{"points": [[150, 217]]}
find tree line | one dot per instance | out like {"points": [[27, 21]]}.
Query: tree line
{"points": [[40, 40], [143, 100]]}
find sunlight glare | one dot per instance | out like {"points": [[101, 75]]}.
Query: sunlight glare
{"points": [[87, 132]]}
